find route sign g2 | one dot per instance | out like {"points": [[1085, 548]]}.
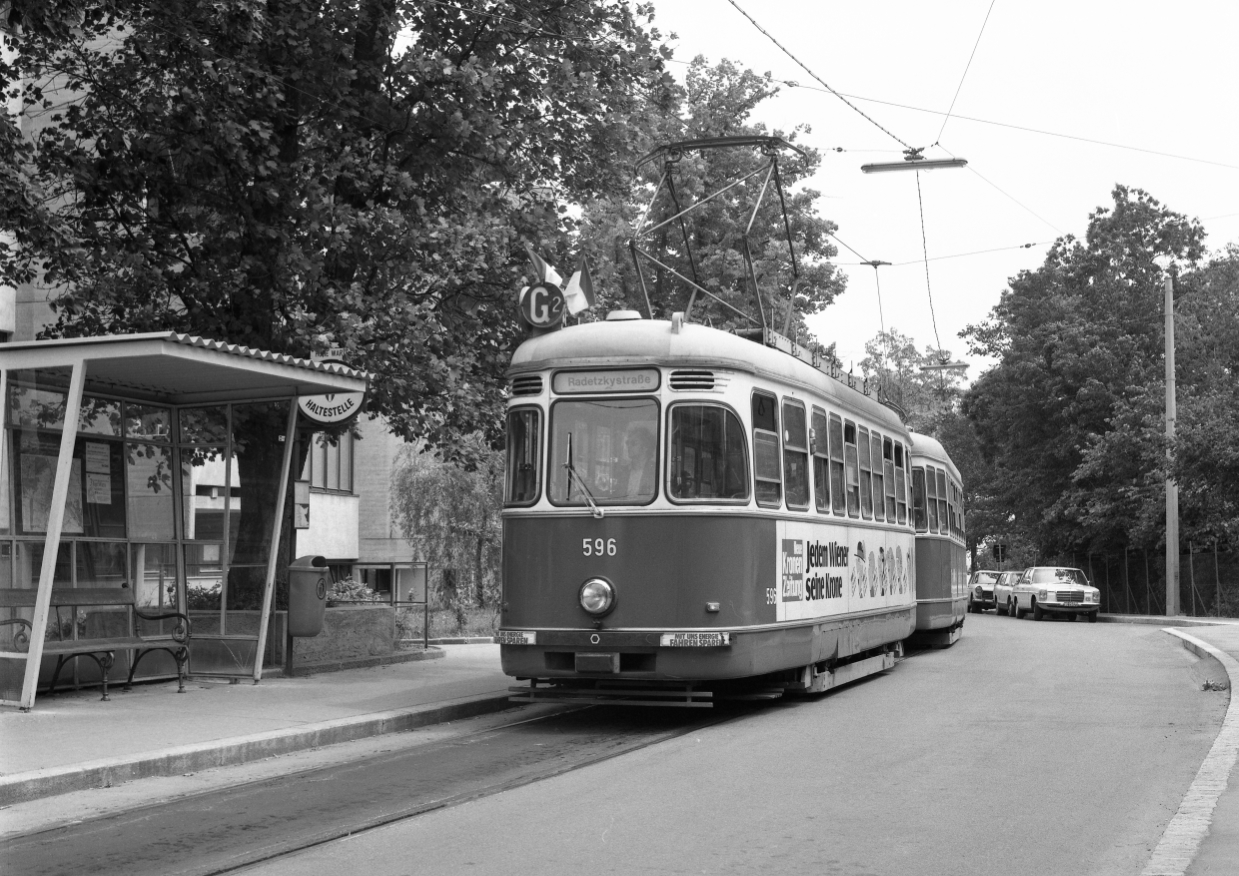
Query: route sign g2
{"points": [[542, 306]]}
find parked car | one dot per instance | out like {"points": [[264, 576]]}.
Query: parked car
{"points": [[981, 590], [1055, 590], [1004, 587]]}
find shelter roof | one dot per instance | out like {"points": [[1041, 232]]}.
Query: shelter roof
{"points": [[176, 368]]}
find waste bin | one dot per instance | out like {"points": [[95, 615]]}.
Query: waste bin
{"points": [[307, 595]]}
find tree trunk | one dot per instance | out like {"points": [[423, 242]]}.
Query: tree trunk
{"points": [[258, 436]]}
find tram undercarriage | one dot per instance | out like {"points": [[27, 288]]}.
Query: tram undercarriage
{"points": [[754, 664]]}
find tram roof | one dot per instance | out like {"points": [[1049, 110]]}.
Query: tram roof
{"points": [[932, 449], [634, 343]]}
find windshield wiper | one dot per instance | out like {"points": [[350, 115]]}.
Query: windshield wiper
{"points": [[580, 482]]}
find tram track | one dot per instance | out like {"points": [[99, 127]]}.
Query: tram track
{"points": [[230, 829]]}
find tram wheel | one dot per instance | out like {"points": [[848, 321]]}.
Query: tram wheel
{"points": [[1038, 614]]}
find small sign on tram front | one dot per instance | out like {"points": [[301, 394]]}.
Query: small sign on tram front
{"points": [[542, 305]]}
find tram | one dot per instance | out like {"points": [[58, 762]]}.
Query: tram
{"points": [[941, 558], [691, 514]]}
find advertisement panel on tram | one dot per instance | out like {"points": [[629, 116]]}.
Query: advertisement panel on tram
{"points": [[829, 570]]}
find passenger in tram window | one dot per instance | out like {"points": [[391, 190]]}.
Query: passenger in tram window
{"points": [[637, 479], [684, 486]]}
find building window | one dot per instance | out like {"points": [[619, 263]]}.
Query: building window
{"points": [[329, 462]]}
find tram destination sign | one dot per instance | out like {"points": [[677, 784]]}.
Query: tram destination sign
{"points": [[626, 380]]}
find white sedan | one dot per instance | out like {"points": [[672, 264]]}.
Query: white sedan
{"points": [[1054, 590]]}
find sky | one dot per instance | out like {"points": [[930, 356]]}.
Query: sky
{"points": [[1034, 90]]}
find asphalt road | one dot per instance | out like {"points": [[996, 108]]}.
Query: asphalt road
{"points": [[1026, 748]]}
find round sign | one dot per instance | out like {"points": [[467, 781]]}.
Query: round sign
{"points": [[321, 590], [542, 306], [333, 408]]}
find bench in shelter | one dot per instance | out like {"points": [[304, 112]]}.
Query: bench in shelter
{"points": [[102, 649]]}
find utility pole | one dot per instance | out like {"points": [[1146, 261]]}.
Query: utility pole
{"points": [[1172, 489]]}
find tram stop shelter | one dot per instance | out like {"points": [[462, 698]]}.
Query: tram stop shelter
{"points": [[152, 468]]}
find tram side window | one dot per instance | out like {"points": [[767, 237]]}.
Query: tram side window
{"points": [[919, 516], [707, 457], [879, 490], [524, 426], [766, 471], [821, 462], [888, 473], [931, 498], [837, 498], [907, 465], [795, 455], [851, 468], [901, 484], [866, 478], [943, 520]]}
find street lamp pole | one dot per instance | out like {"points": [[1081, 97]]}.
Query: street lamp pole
{"points": [[1172, 489]]}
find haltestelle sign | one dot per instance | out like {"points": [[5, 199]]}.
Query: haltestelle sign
{"points": [[333, 408]]}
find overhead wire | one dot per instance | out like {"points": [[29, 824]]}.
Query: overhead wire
{"points": [[825, 85], [965, 76], [925, 249], [960, 255], [792, 83]]}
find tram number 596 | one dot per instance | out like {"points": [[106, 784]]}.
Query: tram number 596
{"points": [[596, 547]]}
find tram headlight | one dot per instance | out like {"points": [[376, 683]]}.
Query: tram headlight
{"points": [[597, 596]]}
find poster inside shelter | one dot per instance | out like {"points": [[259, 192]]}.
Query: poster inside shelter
{"points": [[38, 480]]}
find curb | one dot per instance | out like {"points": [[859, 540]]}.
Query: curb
{"points": [[304, 669], [1182, 837], [1161, 620], [464, 640], [23, 787]]}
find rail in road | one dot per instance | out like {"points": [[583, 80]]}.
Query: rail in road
{"points": [[231, 828]]}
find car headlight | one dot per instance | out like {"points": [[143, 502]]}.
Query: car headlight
{"points": [[597, 596], [1094, 595], [1041, 594]]}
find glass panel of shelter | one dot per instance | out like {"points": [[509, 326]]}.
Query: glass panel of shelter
{"points": [[120, 526]]}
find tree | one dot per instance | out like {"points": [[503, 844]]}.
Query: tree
{"points": [[450, 514], [717, 101], [893, 363], [298, 175], [1064, 414], [292, 176], [1206, 447]]}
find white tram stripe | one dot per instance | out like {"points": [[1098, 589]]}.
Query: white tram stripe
{"points": [[1181, 840]]}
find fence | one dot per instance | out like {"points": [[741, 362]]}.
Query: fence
{"points": [[1134, 581]]}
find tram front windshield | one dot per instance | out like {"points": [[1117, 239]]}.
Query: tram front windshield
{"points": [[605, 451]]}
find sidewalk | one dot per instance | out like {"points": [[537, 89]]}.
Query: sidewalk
{"points": [[73, 741]]}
